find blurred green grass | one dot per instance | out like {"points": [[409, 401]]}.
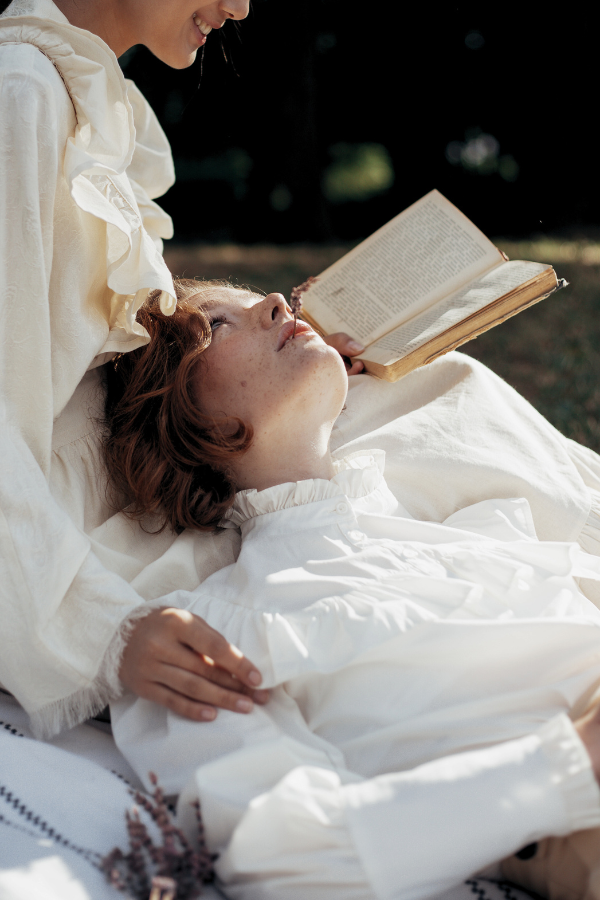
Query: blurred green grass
{"points": [[549, 353]]}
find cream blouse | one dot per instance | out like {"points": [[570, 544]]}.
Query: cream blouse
{"points": [[81, 158], [422, 676]]}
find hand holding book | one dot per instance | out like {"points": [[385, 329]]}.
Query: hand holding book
{"points": [[420, 286]]}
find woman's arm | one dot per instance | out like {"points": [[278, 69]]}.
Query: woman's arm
{"points": [[289, 820], [412, 834], [65, 619]]}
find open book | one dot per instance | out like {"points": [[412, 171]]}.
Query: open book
{"points": [[420, 286]]}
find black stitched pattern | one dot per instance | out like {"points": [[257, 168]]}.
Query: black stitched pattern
{"points": [[508, 890], [475, 886], [132, 789], [43, 828], [8, 727], [17, 827]]}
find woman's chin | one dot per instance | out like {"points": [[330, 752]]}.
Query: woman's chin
{"points": [[314, 353], [322, 373], [181, 56]]}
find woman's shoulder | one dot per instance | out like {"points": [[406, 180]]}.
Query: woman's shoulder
{"points": [[26, 70]]}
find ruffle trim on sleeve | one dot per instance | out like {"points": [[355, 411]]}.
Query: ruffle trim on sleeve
{"points": [[89, 701], [95, 162], [152, 163], [330, 633], [295, 835]]}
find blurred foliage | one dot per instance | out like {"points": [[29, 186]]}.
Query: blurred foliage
{"points": [[548, 352], [357, 172], [449, 96], [232, 167], [480, 153]]}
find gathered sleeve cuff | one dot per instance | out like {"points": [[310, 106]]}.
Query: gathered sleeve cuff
{"points": [[437, 824], [65, 618], [105, 688], [572, 773]]}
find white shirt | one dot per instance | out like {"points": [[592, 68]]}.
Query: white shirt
{"points": [[421, 675], [82, 156]]}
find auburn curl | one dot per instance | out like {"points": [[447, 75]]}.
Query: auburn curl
{"points": [[164, 457]]}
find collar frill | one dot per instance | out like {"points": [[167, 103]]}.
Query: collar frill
{"points": [[96, 159], [357, 476]]}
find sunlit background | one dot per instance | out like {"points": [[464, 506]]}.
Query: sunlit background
{"points": [[316, 121]]}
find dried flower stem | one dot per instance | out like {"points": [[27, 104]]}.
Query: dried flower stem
{"points": [[296, 298], [162, 889], [172, 871]]}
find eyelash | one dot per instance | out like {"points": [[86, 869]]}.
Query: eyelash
{"points": [[217, 320]]}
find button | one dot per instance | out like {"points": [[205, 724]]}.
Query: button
{"points": [[342, 508], [355, 535]]}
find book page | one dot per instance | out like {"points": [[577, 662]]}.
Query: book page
{"points": [[420, 256], [452, 310]]}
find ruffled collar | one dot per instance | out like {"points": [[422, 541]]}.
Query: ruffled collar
{"points": [[357, 476], [97, 156]]}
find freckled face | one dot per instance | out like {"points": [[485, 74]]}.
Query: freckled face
{"points": [[253, 368]]}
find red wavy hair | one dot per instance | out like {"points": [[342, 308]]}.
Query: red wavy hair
{"points": [[164, 457]]}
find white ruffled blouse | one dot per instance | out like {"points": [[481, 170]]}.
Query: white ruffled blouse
{"points": [[422, 679], [82, 158]]}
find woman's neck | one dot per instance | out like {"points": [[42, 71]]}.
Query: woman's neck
{"points": [[289, 458], [101, 18]]}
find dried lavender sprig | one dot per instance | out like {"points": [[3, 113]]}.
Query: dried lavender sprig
{"points": [[163, 888], [296, 298], [175, 859]]}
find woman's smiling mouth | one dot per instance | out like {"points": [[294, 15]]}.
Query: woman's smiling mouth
{"points": [[203, 27]]}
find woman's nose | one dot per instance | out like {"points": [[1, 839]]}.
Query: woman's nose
{"points": [[235, 9], [273, 309]]}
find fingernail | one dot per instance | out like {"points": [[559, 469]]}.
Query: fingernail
{"points": [[244, 706], [254, 677], [208, 714], [260, 696], [355, 347]]}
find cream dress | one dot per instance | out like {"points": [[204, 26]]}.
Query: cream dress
{"points": [[422, 679], [81, 158]]}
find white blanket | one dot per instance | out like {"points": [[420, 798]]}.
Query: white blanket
{"points": [[60, 812], [84, 804]]}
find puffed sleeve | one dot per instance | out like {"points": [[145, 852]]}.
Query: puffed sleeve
{"points": [[61, 612], [289, 820]]}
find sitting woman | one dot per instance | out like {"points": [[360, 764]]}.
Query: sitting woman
{"points": [[424, 677]]}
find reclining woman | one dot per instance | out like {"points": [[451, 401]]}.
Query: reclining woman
{"points": [[424, 677]]}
